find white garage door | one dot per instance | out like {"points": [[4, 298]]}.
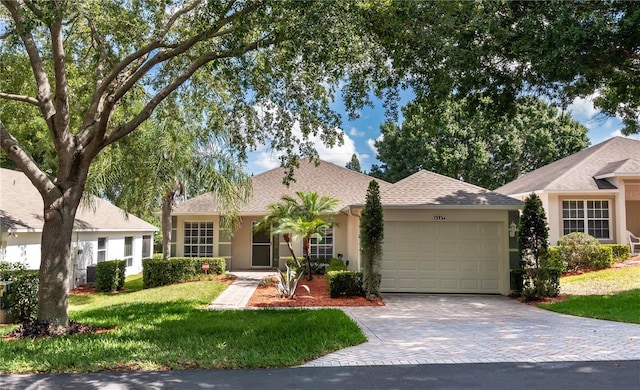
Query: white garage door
{"points": [[442, 257]]}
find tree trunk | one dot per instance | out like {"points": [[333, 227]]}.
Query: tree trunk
{"points": [[167, 203], [55, 262], [287, 239], [306, 244]]}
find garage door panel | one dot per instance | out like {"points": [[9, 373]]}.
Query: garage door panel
{"points": [[442, 257]]}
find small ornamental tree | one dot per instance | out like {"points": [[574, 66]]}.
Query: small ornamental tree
{"points": [[354, 164], [371, 236], [533, 232]]}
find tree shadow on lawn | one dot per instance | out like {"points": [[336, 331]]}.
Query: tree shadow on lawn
{"points": [[176, 335]]}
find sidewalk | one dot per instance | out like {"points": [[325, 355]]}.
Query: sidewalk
{"points": [[236, 296]]}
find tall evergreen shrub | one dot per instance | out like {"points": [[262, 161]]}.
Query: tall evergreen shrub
{"points": [[371, 237], [533, 231]]}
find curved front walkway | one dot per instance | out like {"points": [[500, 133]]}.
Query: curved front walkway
{"points": [[434, 329]]}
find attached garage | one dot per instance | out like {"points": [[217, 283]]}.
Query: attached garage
{"points": [[443, 235], [441, 257]]}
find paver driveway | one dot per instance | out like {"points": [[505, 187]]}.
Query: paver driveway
{"points": [[431, 329]]}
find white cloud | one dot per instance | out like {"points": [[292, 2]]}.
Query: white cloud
{"points": [[355, 133], [372, 144], [583, 107]]}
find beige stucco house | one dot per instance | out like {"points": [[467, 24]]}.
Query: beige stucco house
{"points": [[596, 191], [101, 230], [441, 234]]}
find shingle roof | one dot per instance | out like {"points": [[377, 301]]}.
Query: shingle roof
{"points": [[21, 209], [425, 188], [579, 171], [349, 186]]}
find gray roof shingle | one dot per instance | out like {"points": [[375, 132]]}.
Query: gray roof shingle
{"points": [[425, 188], [581, 170], [349, 186], [21, 209]]}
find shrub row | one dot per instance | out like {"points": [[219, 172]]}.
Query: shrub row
{"points": [[565, 258], [620, 252], [344, 283], [110, 275], [158, 272], [537, 283], [21, 303], [318, 266]]}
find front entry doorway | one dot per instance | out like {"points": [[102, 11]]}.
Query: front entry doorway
{"points": [[261, 249]]}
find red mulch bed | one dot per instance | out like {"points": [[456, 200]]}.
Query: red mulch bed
{"points": [[267, 296]]}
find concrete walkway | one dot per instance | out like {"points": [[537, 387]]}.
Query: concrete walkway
{"points": [[236, 296]]}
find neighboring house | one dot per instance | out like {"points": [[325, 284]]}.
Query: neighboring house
{"points": [[595, 191], [101, 231], [441, 234]]}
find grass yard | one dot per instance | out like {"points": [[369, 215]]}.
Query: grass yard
{"points": [[611, 294], [165, 328]]}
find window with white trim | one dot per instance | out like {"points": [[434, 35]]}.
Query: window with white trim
{"points": [[128, 250], [586, 216], [198, 239], [322, 248], [146, 247], [102, 249]]}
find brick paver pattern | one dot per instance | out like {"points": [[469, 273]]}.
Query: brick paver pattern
{"points": [[443, 329]]}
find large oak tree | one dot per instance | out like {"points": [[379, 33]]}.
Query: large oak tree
{"points": [[559, 49], [99, 69], [477, 145]]}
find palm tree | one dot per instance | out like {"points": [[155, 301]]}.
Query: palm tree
{"points": [[278, 212], [300, 216], [158, 164], [307, 222]]}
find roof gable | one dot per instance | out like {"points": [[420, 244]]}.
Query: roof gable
{"points": [[21, 209], [428, 188], [348, 186], [580, 171]]}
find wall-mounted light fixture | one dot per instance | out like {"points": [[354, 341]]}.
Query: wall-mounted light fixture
{"points": [[513, 228]]}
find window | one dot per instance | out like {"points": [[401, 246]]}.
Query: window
{"points": [[174, 236], [586, 216], [198, 239], [146, 247], [102, 249], [128, 250], [322, 248]]}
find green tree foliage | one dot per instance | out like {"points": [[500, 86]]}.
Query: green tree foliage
{"points": [[354, 164], [479, 147], [371, 238], [506, 49], [533, 232], [303, 216], [165, 160], [94, 71]]}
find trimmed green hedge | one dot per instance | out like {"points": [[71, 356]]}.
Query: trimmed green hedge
{"points": [[336, 265], [344, 283], [620, 252], [110, 275], [21, 302], [597, 257], [158, 272]]}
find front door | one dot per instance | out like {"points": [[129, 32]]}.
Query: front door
{"points": [[261, 249]]}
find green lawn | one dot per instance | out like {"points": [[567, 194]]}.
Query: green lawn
{"points": [[611, 294], [165, 328]]}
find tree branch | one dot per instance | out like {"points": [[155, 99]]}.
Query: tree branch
{"points": [[44, 88], [26, 164], [19, 98], [148, 109]]}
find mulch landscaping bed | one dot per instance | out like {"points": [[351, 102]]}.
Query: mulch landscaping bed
{"points": [[266, 295]]}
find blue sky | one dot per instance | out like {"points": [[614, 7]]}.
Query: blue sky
{"points": [[360, 134]]}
